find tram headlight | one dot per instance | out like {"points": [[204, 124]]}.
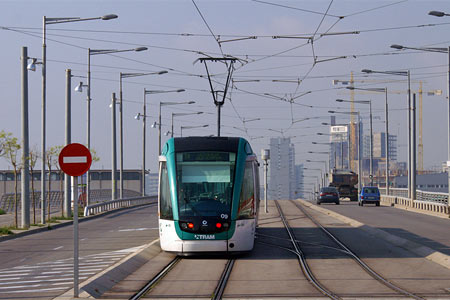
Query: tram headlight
{"points": [[183, 225], [190, 225]]}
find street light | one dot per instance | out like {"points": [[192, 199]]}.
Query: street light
{"points": [[49, 21], [183, 114], [147, 92], [79, 88], [122, 76], [144, 117], [325, 166], [191, 127], [411, 149], [386, 123], [441, 14], [160, 122], [371, 134]]}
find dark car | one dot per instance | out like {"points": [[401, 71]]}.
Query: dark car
{"points": [[328, 195], [369, 194]]}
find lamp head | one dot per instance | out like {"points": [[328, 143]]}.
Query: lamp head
{"points": [[167, 133], [140, 49], [180, 90], [137, 116], [162, 72], [436, 13], [191, 102], [32, 65], [154, 125], [109, 17], [339, 100], [366, 71], [79, 87], [395, 46]]}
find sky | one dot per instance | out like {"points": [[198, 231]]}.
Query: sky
{"points": [[288, 53]]}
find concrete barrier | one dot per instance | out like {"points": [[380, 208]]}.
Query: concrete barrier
{"points": [[431, 208]]}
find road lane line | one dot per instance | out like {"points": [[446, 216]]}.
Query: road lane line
{"points": [[57, 248]]}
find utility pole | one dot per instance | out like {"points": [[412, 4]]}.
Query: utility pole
{"points": [[68, 140], [113, 148], [25, 181]]}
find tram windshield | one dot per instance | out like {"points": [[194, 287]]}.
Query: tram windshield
{"points": [[205, 183]]}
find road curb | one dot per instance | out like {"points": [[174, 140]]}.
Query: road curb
{"points": [[95, 286], [52, 226], [418, 249]]}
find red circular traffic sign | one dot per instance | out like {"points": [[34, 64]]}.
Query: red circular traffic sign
{"points": [[75, 159]]}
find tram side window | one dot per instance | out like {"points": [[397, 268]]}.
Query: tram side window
{"points": [[246, 208], [164, 194]]}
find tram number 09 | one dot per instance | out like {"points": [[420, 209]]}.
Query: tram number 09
{"points": [[224, 216]]}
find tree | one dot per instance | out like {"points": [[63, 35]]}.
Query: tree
{"points": [[10, 150], [34, 156]]}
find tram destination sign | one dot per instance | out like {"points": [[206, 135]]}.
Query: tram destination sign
{"points": [[75, 159]]}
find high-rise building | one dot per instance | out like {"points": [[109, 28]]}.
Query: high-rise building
{"points": [[282, 179], [379, 146]]}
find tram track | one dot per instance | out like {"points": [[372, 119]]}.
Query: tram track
{"points": [[216, 294], [343, 249]]}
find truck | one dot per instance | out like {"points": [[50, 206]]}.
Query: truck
{"points": [[345, 181]]}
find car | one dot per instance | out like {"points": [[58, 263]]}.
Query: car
{"points": [[328, 195], [369, 194]]}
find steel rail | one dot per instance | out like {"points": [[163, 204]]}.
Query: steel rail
{"points": [[349, 252], [155, 279], [220, 288], [302, 260]]}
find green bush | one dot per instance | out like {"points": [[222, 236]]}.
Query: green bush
{"points": [[2, 212], [6, 230]]}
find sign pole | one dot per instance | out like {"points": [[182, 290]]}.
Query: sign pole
{"points": [[75, 160], [75, 235]]}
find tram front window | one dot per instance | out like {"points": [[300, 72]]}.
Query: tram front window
{"points": [[205, 183]]}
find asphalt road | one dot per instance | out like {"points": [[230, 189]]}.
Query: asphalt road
{"points": [[423, 229], [41, 265]]}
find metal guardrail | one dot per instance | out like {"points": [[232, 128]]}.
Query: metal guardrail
{"points": [[424, 196], [116, 204]]}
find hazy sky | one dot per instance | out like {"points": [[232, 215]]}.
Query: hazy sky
{"points": [[270, 69]]}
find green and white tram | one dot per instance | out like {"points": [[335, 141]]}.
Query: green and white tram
{"points": [[208, 195]]}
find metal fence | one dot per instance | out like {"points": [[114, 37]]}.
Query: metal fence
{"points": [[119, 203], [433, 197]]}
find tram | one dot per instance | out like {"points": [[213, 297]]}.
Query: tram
{"points": [[208, 196]]}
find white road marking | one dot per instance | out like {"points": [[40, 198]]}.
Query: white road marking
{"points": [[136, 229], [42, 277], [14, 278], [35, 291], [20, 274]]}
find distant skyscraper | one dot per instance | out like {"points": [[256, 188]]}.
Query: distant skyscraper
{"points": [[379, 146], [282, 179]]}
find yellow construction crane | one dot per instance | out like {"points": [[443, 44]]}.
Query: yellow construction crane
{"points": [[420, 167]]}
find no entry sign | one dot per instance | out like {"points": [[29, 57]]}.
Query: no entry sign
{"points": [[75, 159]]}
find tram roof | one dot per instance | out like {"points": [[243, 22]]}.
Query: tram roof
{"points": [[207, 143]]}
